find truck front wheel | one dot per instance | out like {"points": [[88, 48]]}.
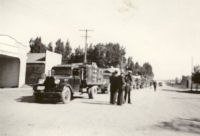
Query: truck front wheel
{"points": [[92, 91], [66, 95]]}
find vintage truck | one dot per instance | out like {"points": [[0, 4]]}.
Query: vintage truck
{"points": [[66, 80]]}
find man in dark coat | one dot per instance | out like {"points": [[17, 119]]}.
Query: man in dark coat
{"points": [[121, 87], [154, 85], [128, 80], [113, 87]]}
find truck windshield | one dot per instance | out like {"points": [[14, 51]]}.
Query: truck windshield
{"points": [[106, 76], [62, 71]]}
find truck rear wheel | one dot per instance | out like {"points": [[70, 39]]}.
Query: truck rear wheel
{"points": [[66, 95], [92, 91]]}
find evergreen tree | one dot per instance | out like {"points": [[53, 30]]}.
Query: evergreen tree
{"points": [[78, 56], [50, 47], [59, 47], [67, 52], [36, 45]]}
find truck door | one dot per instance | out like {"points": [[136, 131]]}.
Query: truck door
{"points": [[76, 79]]}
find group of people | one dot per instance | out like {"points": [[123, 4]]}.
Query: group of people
{"points": [[120, 88]]}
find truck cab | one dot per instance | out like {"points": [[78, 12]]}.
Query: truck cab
{"points": [[65, 80], [68, 74]]}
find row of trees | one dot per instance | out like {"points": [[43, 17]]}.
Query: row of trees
{"points": [[62, 48], [105, 55], [146, 69]]}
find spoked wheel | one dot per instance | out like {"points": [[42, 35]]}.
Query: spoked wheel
{"points": [[66, 95], [92, 91]]}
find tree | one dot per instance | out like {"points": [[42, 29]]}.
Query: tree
{"points": [[50, 47], [99, 55], [105, 55], [196, 75], [130, 64], [90, 54], [137, 69], [114, 54], [147, 70], [67, 52], [77, 56], [36, 45], [59, 47]]}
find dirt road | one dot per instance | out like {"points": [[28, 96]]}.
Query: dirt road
{"points": [[167, 112]]}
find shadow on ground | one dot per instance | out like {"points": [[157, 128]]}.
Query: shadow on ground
{"points": [[97, 103], [182, 125], [30, 99], [27, 99], [182, 91]]}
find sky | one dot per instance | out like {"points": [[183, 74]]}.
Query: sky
{"points": [[165, 33]]}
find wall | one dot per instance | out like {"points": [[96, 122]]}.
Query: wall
{"points": [[18, 52], [52, 59]]}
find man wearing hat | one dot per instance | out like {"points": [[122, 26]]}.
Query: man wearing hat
{"points": [[121, 86], [113, 87], [128, 80]]}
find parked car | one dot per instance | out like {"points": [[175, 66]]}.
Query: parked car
{"points": [[160, 83]]}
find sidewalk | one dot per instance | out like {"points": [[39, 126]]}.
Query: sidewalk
{"points": [[24, 87], [181, 90]]}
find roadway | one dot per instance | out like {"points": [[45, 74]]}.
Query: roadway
{"points": [[166, 112]]}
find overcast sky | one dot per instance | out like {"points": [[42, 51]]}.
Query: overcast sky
{"points": [[165, 33]]}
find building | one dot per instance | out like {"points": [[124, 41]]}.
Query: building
{"points": [[39, 64], [186, 81], [13, 56]]}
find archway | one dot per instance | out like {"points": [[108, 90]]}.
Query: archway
{"points": [[9, 71]]}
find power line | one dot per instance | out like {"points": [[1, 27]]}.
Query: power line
{"points": [[192, 68], [86, 38]]}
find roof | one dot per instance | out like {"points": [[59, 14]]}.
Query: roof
{"points": [[36, 57], [76, 65]]}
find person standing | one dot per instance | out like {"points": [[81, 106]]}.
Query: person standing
{"points": [[121, 86], [154, 85], [113, 87], [128, 80]]}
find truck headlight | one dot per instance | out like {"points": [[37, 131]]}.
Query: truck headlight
{"points": [[57, 81], [41, 81]]}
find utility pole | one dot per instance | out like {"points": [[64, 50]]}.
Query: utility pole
{"points": [[86, 44], [192, 68]]}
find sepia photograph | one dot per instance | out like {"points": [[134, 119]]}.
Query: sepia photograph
{"points": [[99, 67]]}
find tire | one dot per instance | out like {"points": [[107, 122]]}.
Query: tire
{"points": [[66, 95], [108, 89], [92, 91]]}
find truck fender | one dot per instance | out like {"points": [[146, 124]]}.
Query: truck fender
{"points": [[67, 85]]}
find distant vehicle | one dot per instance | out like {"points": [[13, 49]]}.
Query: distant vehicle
{"points": [[68, 79], [160, 83]]}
